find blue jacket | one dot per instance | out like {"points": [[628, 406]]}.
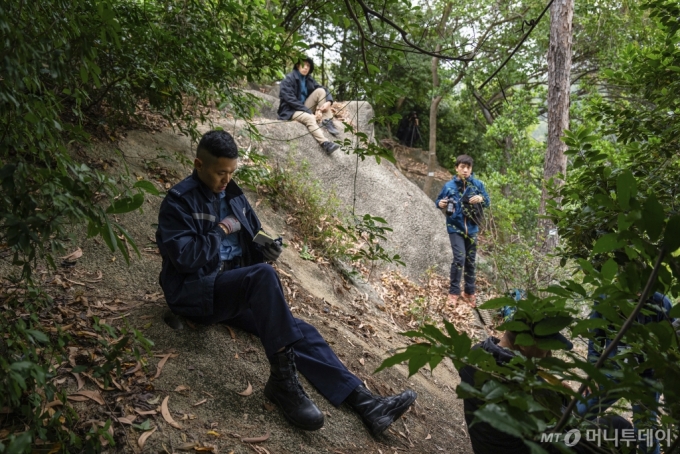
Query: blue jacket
{"points": [[457, 188], [289, 94], [659, 304], [188, 238]]}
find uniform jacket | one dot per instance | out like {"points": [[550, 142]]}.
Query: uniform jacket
{"points": [[289, 94], [457, 188], [188, 238]]}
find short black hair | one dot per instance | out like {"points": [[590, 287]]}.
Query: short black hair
{"points": [[464, 159], [217, 143], [308, 60]]}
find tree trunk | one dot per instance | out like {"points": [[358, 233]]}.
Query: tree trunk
{"points": [[434, 105], [559, 66]]}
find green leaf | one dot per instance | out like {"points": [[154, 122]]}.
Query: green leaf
{"points": [[126, 204], [147, 186], [21, 366], [83, 73], [38, 335], [497, 303], [653, 216], [499, 419], [626, 187], [675, 311], [78, 369], [394, 360], [607, 243], [514, 326], [609, 270], [524, 339], [552, 325], [671, 236], [109, 236]]}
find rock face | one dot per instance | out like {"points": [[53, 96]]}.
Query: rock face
{"points": [[419, 235]]}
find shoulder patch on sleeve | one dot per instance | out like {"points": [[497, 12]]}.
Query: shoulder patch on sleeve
{"points": [[183, 187]]}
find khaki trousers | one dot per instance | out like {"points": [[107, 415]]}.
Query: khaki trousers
{"points": [[313, 102]]}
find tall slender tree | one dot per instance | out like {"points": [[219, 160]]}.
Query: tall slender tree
{"points": [[559, 83]]}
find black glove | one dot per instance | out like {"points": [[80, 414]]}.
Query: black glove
{"points": [[271, 252]]}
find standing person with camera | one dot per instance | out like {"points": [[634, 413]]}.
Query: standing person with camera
{"points": [[463, 198]]}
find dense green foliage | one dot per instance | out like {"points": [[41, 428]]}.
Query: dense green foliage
{"points": [[620, 221], [73, 71]]}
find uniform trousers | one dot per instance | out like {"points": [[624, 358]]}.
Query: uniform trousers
{"points": [[313, 102], [464, 255], [251, 298]]}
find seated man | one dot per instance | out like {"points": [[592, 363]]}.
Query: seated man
{"points": [[301, 96], [485, 438], [213, 272]]}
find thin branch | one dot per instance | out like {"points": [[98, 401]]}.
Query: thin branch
{"points": [[404, 34], [533, 25], [363, 36]]}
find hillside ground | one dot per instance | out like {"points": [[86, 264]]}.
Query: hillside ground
{"points": [[202, 369]]}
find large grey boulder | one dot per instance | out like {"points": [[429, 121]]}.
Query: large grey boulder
{"points": [[419, 235]]}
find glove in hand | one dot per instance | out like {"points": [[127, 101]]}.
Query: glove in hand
{"points": [[231, 223], [271, 252]]}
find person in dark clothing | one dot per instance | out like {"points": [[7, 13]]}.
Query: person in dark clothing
{"points": [[409, 130], [484, 437], [658, 307], [213, 272], [300, 96], [463, 189]]}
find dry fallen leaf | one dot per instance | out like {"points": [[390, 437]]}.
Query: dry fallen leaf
{"points": [[200, 402], [145, 412], [161, 363], [132, 371], [166, 414], [231, 332], [248, 391], [127, 419], [264, 437], [54, 403], [182, 388], [214, 433], [187, 446], [144, 436], [80, 381], [428, 437], [73, 256], [94, 395], [269, 406], [361, 360]]}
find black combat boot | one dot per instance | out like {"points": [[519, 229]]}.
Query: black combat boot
{"points": [[328, 124], [284, 389], [379, 412], [329, 147]]}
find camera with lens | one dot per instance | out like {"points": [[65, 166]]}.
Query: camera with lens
{"points": [[450, 206]]}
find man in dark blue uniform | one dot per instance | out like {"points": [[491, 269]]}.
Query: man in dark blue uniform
{"points": [[213, 272]]}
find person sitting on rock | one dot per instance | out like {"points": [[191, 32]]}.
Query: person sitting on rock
{"points": [[301, 96], [213, 272]]}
